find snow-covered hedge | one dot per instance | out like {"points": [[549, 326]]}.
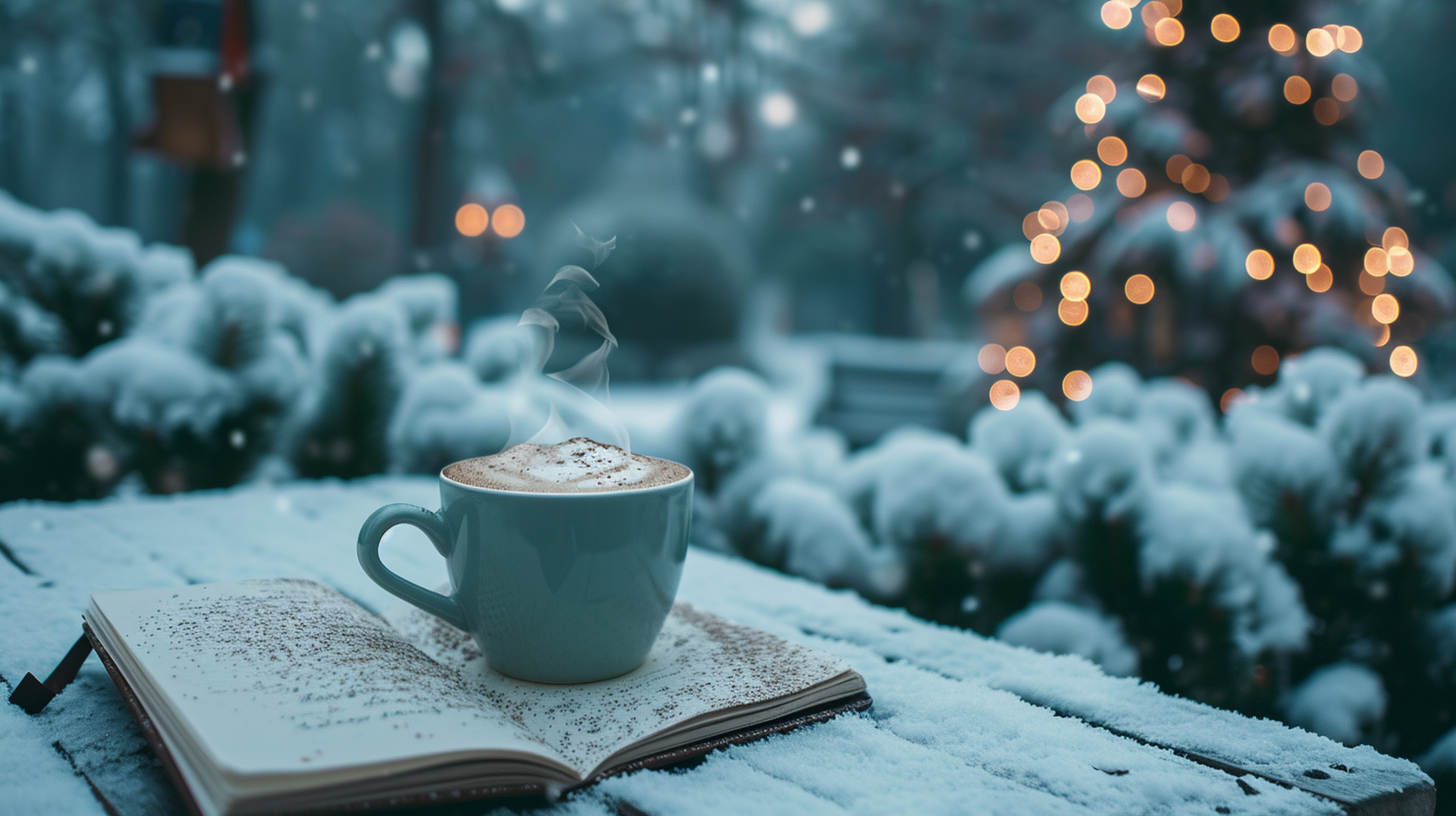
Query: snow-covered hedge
{"points": [[1295, 558]]}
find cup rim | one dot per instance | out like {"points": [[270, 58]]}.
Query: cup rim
{"points": [[688, 479]]}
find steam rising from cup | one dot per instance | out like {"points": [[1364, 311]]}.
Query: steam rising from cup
{"points": [[576, 399]]}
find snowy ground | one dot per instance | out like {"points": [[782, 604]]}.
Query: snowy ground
{"points": [[958, 721]]}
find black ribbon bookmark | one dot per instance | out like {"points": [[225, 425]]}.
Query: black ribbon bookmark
{"points": [[32, 695]]}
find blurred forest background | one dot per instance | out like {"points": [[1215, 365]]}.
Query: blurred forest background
{"points": [[1111, 327]]}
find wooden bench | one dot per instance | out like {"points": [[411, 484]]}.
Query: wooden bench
{"points": [[960, 723]]}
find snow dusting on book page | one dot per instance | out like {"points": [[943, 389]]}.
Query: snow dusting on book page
{"points": [[700, 663]]}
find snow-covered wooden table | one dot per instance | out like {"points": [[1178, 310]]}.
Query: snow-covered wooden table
{"points": [[959, 723]]}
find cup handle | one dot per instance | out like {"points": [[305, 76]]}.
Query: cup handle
{"points": [[433, 524]]}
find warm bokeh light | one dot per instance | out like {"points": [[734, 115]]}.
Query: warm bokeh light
{"points": [[1086, 174], [1005, 394], [1319, 42], [1344, 87], [1027, 297], [1045, 248], [1225, 28], [508, 221], [1091, 108], [1020, 362], [1229, 399], [1297, 90], [471, 220], [1077, 385], [1116, 15], [1371, 284], [1282, 38], [1402, 262], [1175, 7], [1265, 360], [1048, 219], [1259, 264], [1168, 31], [1031, 225], [1103, 87], [1151, 88], [992, 358], [1177, 163], [1138, 289], [1317, 197], [1131, 183], [1112, 151], [1384, 337], [1321, 279], [1349, 39], [1072, 312], [1181, 216], [1394, 237], [1377, 263], [1326, 111], [1218, 188], [1196, 178], [1370, 164], [1153, 12], [1385, 308], [1080, 207], [1075, 286], [1306, 258], [1403, 361]]}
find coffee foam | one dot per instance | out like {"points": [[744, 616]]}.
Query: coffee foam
{"points": [[577, 465]]}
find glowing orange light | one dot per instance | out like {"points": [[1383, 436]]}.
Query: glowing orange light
{"points": [[1103, 88], [1181, 216], [1075, 286], [471, 220], [1218, 188], [1045, 248], [1259, 264], [1112, 151], [1080, 207], [1319, 42], [1371, 284], [1225, 28], [1377, 263], [1383, 338], [1326, 111], [1058, 209], [1020, 361], [1091, 108], [1385, 308], [1196, 178], [1321, 279], [1177, 163], [1131, 183], [1153, 12], [1027, 297], [508, 221], [1349, 39], [1370, 164], [1005, 394], [1281, 38], [1072, 312], [1265, 360], [1175, 7], [1086, 174], [1168, 31], [1297, 90], [992, 358], [1230, 398], [1394, 237], [1115, 15], [1403, 361], [1402, 262], [1151, 88], [1344, 87], [1317, 197], [1077, 385], [1139, 289], [1031, 225], [1306, 258], [1048, 219]]}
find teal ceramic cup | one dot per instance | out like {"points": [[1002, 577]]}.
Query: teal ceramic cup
{"points": [[555, 587]]}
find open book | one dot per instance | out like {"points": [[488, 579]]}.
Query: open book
{"points": [[283, 695]]}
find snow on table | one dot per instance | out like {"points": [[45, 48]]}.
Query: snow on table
{"points": [[959, 722]]}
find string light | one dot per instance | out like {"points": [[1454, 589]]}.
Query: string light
{"points": [[1370, 164], [1181, 216], [1317, 197], [1076, 286], [1320, 280], [1265, 360], [1151, 88], [1139, 289], [1297, 90], [1045, 248], [1020, 361], [1344, 87], [508, 221], [1077, 385], [1196, 178], [471, 220], [1131, 182], [1086, 174], [1349, 39], [1394, 237], [1224, 27], [1005, 394], [1402, 262], [1282, 38], [1385, 308], [1103, 88], [1168, 31], [1319, 42], [1403, 361], [1259, 264], [1072, 312], [992, 358], [1116, 15], [1112, 151], [1091, 108], [1306, 258], [1377, 263]]}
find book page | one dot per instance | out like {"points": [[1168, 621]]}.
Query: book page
{"points": [[700, 663], [287, 676]]}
